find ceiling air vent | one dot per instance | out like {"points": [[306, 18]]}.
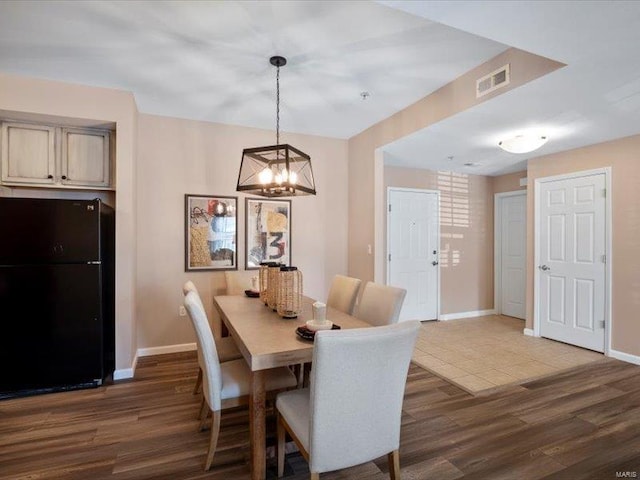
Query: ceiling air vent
{"points": [[496, 79]]}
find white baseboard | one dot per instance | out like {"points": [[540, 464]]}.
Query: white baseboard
{"points": [[475, 313], [528, 332], [124, 373], [625, 357], [182, 347]]}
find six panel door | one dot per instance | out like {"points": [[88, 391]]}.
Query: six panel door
{"points": [[413, 248], [572, 262]]}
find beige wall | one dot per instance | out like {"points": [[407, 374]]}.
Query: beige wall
{"points": [[466, 232], [509, 182], [622, 156], [56, 101], [181, 156], [457, 96]]}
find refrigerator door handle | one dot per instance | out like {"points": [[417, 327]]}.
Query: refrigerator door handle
{"points": [[95, 263]]}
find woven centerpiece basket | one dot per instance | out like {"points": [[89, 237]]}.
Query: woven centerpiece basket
{"points": [[289, 299], [273, 273], [264, 280]]}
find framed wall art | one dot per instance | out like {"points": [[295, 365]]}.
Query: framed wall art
{"points": [[268, 232], [211, 232]]}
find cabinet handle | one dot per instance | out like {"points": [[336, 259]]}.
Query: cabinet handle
{"points": [[64, 177], [49, 176]]}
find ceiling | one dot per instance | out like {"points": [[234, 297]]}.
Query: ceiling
{"points": [[595, 98], [209, 61]]}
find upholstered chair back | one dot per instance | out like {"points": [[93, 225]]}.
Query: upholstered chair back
{"points": [[211, 375], [343, 293], [189, 286], [357, 387], [380, 304]]}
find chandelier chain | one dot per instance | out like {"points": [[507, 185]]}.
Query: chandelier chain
{"points": [[278, 106]]}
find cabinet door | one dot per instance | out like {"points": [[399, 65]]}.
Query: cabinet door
{"points": [[28, 153], [85, 157]]}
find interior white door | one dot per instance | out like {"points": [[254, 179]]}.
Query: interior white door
{"points": [[413, 235], [571, 260], [513, 255]]}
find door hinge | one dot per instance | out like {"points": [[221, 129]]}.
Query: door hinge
{"points": [[604, 259], [389, 257], [604, 192], [601, 323], [389, 207]]}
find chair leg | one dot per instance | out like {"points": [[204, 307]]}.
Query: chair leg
{"points": [[196, 388], [297, 371], [280, 448], [306, 374], [204, 413], [315, 476], [213, 442], [394, 465]]}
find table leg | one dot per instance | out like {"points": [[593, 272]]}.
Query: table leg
{"points": [[257, 426]]}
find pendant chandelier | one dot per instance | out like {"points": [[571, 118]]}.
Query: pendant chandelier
{"points": [[278, 170]]}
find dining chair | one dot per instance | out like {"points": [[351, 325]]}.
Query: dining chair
{"points": [[343, 293], [351, 413], [238, 281], [227, 384], [380, 304], [226, 346]]}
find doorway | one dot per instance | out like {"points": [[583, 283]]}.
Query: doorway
{"points": [[413, 244], [510, 253], [572, 246]]}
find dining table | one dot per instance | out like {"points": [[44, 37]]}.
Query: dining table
{"points": [[268, 341]]}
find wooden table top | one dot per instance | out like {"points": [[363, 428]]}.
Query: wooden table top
{"points": [[267, 340]]}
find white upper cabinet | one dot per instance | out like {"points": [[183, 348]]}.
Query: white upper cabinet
{"points": [[59, 157], [28, 154], [85, 157]]}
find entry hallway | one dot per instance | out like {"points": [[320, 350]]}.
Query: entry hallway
{"points": [[583, 423], [480, 354]]}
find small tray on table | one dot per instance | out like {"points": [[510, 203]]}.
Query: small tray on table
{"points": [[308, 334]]}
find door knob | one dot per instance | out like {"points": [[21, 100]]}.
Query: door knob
{"points": [[434, 263], [544, 268]]}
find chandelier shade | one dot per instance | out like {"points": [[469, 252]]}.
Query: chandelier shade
{"points": [[278, 170]]}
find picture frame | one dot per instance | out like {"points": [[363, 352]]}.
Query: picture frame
{"points": [[267, 232], [211, 232]]}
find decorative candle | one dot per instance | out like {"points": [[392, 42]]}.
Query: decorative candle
{"points": [[319, 312]]}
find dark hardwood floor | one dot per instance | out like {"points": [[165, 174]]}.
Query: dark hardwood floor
{"points": [[580, 424]]}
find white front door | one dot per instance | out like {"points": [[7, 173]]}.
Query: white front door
{"points": [[512, 253], [571, 277], [413, 236]]}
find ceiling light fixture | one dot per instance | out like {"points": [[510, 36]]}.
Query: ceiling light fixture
{"points": [[278, 170], [522, 143]]}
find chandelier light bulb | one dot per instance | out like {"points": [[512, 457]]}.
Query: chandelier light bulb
{"points": [[265, 176], [293, 178]]}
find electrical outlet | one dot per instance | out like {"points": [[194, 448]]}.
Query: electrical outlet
{"points": [[182, 311]]}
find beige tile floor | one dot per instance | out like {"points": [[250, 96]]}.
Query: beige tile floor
{"points": [[483, 353]]}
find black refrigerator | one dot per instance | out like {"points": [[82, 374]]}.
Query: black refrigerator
{"points": [[57, 282]]}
